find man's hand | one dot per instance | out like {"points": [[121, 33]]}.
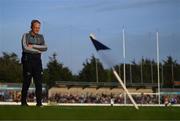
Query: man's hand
{"points": [[39, 51], [30, 45]]}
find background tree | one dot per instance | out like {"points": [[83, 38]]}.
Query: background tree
{"points": [[10, 68], [169, 71], [88, 73], [55, 71]]}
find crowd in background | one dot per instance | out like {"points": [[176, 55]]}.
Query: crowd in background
{"points": [[116, 99], [102, 98], [15, 96]]}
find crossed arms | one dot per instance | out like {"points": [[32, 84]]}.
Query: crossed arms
{"points": [[33, 48]]}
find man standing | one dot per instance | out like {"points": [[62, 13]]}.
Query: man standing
{"points": [[33, 45]]}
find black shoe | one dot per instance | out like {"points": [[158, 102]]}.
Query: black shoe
{"points": [[24, 104], [39, 105]]}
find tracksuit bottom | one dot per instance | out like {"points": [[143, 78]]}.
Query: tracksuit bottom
{"points": [[32, 68]]}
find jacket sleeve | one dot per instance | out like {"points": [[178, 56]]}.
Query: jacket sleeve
{"points": [[42, 47]]}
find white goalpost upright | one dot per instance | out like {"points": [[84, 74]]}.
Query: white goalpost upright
{"points": [[157, 46], [124, 61]]}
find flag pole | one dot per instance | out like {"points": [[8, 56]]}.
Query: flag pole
{"points": [[125, 89], [99, 46], [97, 74]]}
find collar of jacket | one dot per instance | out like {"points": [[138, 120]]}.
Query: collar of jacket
{"points": [[30, 33]]}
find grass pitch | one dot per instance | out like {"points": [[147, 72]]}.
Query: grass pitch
{"points": [[88, 113]]}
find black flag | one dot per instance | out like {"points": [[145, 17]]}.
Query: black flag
{"points": [[97, 44]]}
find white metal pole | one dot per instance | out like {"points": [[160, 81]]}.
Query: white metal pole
{"points": [[152, 72], [119, 69], [142, 71], [172, 72], [97, 74], [125, 89], [157, 40], [162, 76], [124, 64], [130, 69]]}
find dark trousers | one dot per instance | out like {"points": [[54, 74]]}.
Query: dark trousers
{"points": [[32, 68]]}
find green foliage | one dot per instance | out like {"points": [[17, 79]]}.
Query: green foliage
{"points": [[171, 71], [55, 71], [10, 68], [143, 71], [89, 72]]}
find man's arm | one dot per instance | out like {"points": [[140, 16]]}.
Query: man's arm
{"points": [[28, 48], [42, 47]]}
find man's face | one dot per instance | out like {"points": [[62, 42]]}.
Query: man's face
{"points": [[36, 28]]}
